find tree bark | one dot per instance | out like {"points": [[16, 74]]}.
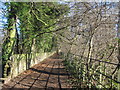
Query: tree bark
{"points": [[118, 33], [9, 42]]}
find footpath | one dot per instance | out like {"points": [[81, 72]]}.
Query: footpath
{"points": [[48, 74]]}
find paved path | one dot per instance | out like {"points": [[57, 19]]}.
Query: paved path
{"points": [[48, 74]]}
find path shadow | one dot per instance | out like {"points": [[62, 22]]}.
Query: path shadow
{"points": [[52, 73]]}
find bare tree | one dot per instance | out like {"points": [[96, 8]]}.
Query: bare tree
{"points": [[91, 37]]}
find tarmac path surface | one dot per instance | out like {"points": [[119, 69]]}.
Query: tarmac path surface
{"points": [[48, 74]]}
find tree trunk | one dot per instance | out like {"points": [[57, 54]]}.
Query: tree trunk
{"points": [[119, 48], [9, 42]]}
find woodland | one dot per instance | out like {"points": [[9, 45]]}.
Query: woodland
{"points": [[87, 34]]}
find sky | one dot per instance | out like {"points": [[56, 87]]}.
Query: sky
{"points": [[2, 21], [2, 18], [1, 14]]}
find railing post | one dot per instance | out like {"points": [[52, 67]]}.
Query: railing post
{"points": [[118, 77], [1, 74]]}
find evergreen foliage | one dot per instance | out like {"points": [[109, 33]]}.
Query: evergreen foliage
{"points": [[29, 28]]}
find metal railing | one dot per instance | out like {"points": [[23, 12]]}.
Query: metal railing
{"points": [[95, 74]]}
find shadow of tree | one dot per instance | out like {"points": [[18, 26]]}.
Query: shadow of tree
{"points": [[46, 72]]}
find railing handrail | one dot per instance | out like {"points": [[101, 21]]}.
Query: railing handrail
{"points": [[97, 60]]}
